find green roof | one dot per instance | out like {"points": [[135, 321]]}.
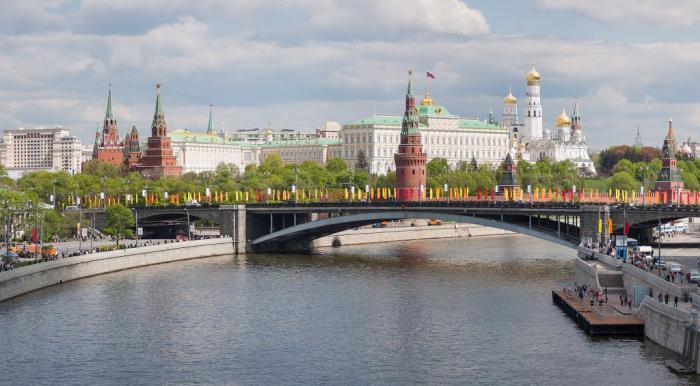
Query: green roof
{"points": [[426, 111], [434, 111], [477, 124], [381, 120], [184, 135], [301, 142]]}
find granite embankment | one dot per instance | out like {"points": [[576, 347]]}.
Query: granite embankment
{"points": [[34, 277], [368, 235], [671, 327]]}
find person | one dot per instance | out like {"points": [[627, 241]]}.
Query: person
{"points": [[675, 301], [660, 299], [621, 300], [666, 298]]}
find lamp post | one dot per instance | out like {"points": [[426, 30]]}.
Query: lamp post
{"points": [[189, 231], [136, 216]]}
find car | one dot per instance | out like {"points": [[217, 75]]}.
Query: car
{"points": [[72, 208], [675, 267], [694, 276], [10, 256]]}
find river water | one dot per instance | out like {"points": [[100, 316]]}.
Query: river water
{"points": [[469, 311]]}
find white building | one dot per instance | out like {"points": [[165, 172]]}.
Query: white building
{"points": [[298, 151], [199, 151], [27, 150], [533, 142], [443, 134]]}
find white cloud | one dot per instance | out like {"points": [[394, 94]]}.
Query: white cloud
{"points": [[660, 12], [398, 16]]}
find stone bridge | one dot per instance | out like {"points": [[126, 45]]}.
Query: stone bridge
{"points": [[282, 227]]}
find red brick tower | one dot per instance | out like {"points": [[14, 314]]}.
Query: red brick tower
{"points": [[410, 159], [669, 179], [159, 160], [109, 148]]}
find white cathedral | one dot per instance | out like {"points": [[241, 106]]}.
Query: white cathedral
{"points": [[531, 141]]}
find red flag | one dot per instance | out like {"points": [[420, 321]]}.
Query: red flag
{"points": [[34, 235], [430, 75], [627, 229]]}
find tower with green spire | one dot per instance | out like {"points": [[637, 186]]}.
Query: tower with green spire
{"points": [[410, 159], [158, 159], [110, 149]]}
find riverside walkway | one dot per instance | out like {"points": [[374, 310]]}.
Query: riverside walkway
{"points": [[597, 319]]}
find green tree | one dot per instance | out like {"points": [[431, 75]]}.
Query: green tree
{"points": [[101, 168], [623, 181], [361, 163], [120, 220], [336, 165]]}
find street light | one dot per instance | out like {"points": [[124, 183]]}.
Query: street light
{"points": [[136, 215], [189, 232]]}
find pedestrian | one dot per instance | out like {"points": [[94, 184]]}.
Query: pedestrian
{"points": [[660, 299], [675, 301], [666, 298], [621, 300], [606, 290]]}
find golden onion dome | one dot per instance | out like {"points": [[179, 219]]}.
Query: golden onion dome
{"points": [[510, 99], [427, 100], [533, 77], [563, 119]]}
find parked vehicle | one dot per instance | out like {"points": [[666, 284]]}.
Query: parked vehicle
{"points": [[72, 208], [433, 221], [675, 267], [694, 276]]}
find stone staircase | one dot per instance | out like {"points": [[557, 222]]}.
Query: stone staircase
{"points": [[613, 281]]}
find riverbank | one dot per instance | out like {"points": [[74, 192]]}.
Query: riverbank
{"points": [[31, 278], [672, 327], [405, 232]]}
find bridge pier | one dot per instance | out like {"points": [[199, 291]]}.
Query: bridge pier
{"points": [[232, 222]]}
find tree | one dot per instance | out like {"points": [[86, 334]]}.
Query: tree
{"points": [[336, 165], [623, 181], [474, 165], [101, 169], [120, 220], [361, 163]]}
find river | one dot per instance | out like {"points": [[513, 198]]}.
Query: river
{"points": [[468, 311]]}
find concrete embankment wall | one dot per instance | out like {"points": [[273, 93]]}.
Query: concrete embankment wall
{"points": [[636, 277], [34, 277], [609, 260], [406, 233], [663, 324], [585, 274]]}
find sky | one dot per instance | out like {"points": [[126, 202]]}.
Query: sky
{"points": [[299, 63]]}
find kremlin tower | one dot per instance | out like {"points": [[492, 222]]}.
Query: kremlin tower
{"points": [[410, 159], [669, 180], [132, 150], [107, 146], [159, 160], [533, 115]]}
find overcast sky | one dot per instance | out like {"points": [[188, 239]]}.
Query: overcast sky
{"points": [[299, 63]]}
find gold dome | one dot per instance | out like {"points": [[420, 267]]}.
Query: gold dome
{"points": [[510, 99], [533, 77], [563, 119], [427, 100]]}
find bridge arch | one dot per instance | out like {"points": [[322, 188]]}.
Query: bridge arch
{"points": [[299, 236]]}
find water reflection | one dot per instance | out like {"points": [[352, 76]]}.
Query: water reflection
{"points": [[473, 311]]}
